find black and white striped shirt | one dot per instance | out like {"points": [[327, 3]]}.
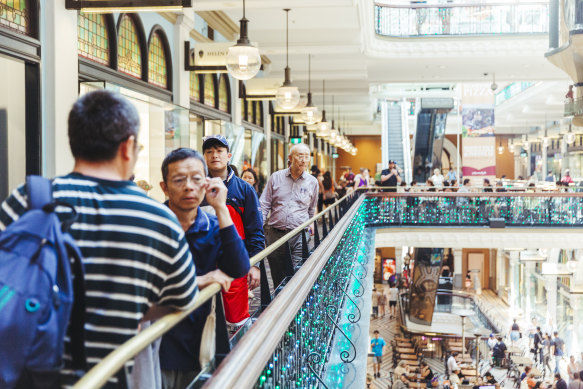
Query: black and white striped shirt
{"points": [[134, 252]]}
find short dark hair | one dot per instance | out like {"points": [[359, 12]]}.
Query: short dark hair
{"points": [[98, 123], [181, 154], [466, 181], [558, 376], [375, 331], [576, 376], [455, 353]]}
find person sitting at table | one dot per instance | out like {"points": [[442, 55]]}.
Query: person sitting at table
{"points": [[454, 378], [489, 378], [426, 373], [452, 363], [525, 373], [435, 383], [403, 383], [402, 368]]}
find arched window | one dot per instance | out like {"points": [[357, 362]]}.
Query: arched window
{"points": [[93, 38], [195, 87], [157, 66], [209, 90], [224, 94], [15, 15], [129, 52]]}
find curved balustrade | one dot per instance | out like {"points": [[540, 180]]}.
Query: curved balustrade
{"points": [[475, 209], [422, 19]]}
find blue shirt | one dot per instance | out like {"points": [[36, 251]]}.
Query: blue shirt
{"points": [[212, 248], [377, 346]]}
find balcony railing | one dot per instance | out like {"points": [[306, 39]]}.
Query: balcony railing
{"points": [[475, 209], [423, 19]]}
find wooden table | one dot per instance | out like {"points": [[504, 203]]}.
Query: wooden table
{"points": [[417, 385], [469, 372], [411, 362], [521, 360], [454, 343], [404, 344], [399, 339], [513, 350], [455, 348], [410, 357], [405, 350]]}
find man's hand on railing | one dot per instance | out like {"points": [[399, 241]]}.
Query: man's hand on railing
{"points": [[253, 277], [214, 276]]}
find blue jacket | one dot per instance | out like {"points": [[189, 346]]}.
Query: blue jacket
{"points": [[211, 248], [244, 208]]}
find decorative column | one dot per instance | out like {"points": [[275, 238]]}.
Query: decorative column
{"points": [[457, 269], [544, 156], [60, 77], [551, 287], [576, 300], [181, 77], [399, 259], [517, 163], [513, 280]]}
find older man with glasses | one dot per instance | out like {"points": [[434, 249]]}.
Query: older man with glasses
{"points": [[290, 198]]}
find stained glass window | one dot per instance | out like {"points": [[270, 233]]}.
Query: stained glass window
{"points": [[157, 62], [195, 86], [129, 54], [259, 114], [15, 15], [93, 41], [223, 94], [209, 90], [243, 110]]}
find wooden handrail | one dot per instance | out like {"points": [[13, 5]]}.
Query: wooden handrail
{"points": [[100, 373]]}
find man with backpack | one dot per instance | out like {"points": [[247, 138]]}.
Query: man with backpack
{"points": [[137, 263]]}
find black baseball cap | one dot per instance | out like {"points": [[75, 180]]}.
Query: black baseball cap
{"points": [[391, 161], [214, 140]]}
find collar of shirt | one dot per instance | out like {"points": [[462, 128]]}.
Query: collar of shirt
{"points": [[288, 174], [201, 223], [230, 175]]}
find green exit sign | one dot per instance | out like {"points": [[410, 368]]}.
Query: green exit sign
{"points": [[295, 141]]}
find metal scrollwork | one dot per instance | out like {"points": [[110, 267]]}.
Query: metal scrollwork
{"points": [[360, 291], [332, 312], [315, 359], [351, 316]]}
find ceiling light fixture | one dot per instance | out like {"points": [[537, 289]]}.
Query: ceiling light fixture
{"points": [[323, 126], [511, 145], [500, 147], [570, 136], [310, 111], [333, 131], [525, 142], [243, 59], [287, 96]]}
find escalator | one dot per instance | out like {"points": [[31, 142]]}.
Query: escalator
{"points": [[423, 290], [429, 137]]}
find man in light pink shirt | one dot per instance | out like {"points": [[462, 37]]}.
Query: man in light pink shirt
{"points": [[290, 198]]}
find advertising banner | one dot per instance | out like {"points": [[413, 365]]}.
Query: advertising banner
{"points": [[479, 158], [477, 120]]}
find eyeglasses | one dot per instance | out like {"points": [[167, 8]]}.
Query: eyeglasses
{"points": [[302, 157], [182, 180]]}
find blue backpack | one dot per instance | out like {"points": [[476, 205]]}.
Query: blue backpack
{"points": [[37, 289]]}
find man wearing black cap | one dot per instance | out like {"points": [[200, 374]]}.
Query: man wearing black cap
{"points": [[390, 177], [243, 206]]}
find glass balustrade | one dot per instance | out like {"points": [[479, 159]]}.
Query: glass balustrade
{"points": [[422, 19]]}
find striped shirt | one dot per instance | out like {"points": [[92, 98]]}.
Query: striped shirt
{"points": [[134, 252]]}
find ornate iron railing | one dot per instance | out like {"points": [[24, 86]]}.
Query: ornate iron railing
{"points": [[448, 301], [475, 209], [422, 19]]}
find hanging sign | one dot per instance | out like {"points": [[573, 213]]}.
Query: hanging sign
{"points": [[103, 6]]}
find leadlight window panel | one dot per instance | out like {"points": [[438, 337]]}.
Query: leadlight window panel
{"points": [[15, 15], [157, 69], [93, 38], [209, 90], [223, 94], [259, 114], [194, 87], [243, 110], [129, 57]]}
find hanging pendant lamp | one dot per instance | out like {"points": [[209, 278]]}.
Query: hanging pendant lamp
{"points": [[243, 59], [570, 136], [323, 126], [287, 96], [333, 131], [310, 111]]}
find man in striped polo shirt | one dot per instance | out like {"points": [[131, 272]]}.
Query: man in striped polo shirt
{"points": [[137, 262]]}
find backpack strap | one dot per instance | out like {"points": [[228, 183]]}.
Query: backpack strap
{"points": [[39, 191], [77, 326]]}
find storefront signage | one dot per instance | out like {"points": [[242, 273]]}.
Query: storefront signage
{"points": [[127, 5], [479, 158], [210, 53], [262, 86]]}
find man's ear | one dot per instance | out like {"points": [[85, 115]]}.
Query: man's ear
{"points": [[127, 148], [164, 187], [229, 155]]}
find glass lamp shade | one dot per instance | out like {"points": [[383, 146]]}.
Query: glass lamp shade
{"points": [[525, 144], [570, 138], [334, 134], [309, 115], [287, 97], [323, 129], [500, 150], [243, 61], [545, 141], [354, 151], [511, 147]]}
